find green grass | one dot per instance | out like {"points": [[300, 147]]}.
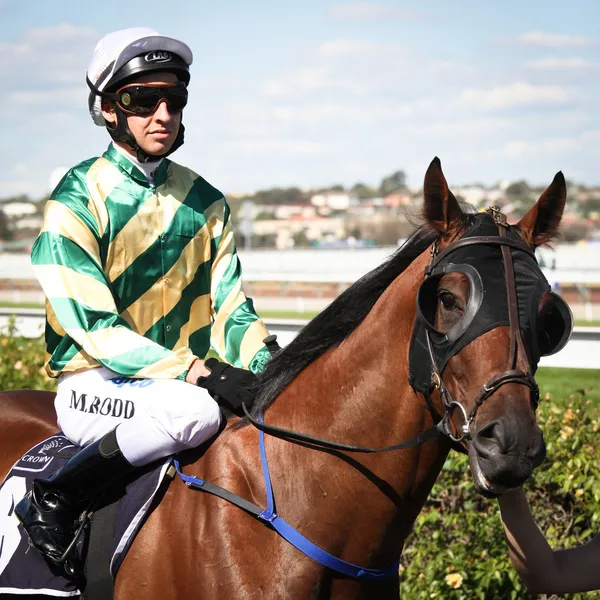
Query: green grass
{"points": [[582, 323], [288, 314], [564, 383], [4, 304]]}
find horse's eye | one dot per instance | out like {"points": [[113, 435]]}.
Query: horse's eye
{"points": [[447, 299]]}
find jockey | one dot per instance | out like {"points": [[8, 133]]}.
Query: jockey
{"points": [[137, 260]]}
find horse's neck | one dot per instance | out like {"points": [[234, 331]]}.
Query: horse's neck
{"points": [[359, 394]]}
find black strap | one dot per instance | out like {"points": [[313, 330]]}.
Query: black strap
{"points": [[99, 581], [290, 435], [489, 240], [217, 490]]}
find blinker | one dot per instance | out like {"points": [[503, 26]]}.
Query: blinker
{"points": [[545, 319], [427, 301], [554, 324]]}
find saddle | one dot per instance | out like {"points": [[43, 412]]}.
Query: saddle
{"points": [[102, 546]]}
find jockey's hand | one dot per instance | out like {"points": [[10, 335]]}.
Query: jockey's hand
{"points": [[228, 385], [196, 370]]}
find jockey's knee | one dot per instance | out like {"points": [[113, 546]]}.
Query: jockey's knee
{"points": [[190, 419], [202, 429]]}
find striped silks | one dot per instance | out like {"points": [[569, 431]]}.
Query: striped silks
{"points": [[141, 278]]}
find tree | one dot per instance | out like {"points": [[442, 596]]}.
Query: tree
{"points": [[5, 230], [364, 192], [291, 195], [301, 240], [518, 189], [337, 188], [395, 182]]}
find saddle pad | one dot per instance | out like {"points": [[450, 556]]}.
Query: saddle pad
{"points": [[23, 570]]}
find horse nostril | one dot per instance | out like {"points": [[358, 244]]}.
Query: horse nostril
{"points": [[491, 439]]}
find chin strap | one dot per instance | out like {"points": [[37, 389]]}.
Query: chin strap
{"points": [[121, 133]]}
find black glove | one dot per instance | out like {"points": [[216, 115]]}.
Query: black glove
{"points": [[272, 346], [228, 385]]}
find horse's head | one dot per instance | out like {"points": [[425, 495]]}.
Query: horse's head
{"points": [[486, 314]]}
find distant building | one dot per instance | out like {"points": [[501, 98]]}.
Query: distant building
{"points": [[288, 211], [396, 200], [14, 210], [333, 200]]}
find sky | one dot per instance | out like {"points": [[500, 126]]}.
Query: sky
{"points": [[317, 92]]}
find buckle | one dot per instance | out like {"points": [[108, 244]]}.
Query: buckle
{"points": [[498, 216]]}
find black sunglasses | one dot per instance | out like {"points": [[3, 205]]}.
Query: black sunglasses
{"points": [[142, 99]]}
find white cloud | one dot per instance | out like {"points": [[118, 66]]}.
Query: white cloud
{"points": [[552, 146], [312, 80], [558, 64], [69, 96], [253, 146], [357, 48], [55, 176], [347, 66], [591, 136], [366, 11], [556, 40], [515, 95], [47, 56], [25, 186]]}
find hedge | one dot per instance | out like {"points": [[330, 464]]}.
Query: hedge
{"points": [[21, 362], [457, 549]]}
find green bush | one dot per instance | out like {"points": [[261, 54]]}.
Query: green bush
{"points": [[457, 549], [22, 362]]}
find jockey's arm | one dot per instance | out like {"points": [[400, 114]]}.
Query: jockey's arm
{"points": [[543, 570], [66, 261], [237, 332]]}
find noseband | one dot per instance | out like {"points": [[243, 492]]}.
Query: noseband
{"points": [[511, 374]]}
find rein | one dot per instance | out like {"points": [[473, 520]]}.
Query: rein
{"points": [[318, 443]]}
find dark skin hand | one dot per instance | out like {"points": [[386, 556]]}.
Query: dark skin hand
{"points": [[543, 570]]}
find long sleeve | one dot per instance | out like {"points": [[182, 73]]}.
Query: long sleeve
{"points": [[81, 307], [237, 332]]}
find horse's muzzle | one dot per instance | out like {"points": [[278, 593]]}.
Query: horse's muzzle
{"points": [[502, 458]]}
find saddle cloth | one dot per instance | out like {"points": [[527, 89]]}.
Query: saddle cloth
{"points": [[23, 570]]}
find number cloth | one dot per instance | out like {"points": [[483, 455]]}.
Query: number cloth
{"points": [[142, 275]]}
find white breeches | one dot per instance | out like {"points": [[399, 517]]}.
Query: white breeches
{"points": [[155, 417]]}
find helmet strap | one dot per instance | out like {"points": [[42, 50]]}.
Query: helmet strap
{"points": [[120, 132]]}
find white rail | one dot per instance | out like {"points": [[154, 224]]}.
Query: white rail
{"points": [[583, 350]]}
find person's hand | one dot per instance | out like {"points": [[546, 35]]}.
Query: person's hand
{"points": [[229, 386], [196, 370]]}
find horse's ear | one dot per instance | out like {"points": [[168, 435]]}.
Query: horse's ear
{"points": [[441, 209], [541, 223]]}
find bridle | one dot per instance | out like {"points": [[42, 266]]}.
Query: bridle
{"points": [[511, 374]]}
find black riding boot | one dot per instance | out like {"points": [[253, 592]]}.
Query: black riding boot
{"points": [[53, 512]]}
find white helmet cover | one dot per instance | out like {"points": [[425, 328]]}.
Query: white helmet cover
{"points": [[117, 49]]}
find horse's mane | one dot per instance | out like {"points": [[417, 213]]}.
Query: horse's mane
{"points": [[336, 322]]}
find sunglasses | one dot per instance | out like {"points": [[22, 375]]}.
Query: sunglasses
{"points": [[142, 99]]}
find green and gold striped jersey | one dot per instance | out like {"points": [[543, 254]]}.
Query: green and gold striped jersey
{"points": [[142, 278]]}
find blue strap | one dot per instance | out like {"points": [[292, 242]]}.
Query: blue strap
{"points": [[286, 531]]}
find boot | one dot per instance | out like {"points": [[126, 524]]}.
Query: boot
{"points": [[55, 511]]}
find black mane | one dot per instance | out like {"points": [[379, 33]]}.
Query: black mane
{"points": [[336, 322]]}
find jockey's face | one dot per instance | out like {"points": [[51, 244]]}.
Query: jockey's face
{"points": [[156, 132]]}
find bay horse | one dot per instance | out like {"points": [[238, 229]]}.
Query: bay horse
{"points": [[346, 378]]}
